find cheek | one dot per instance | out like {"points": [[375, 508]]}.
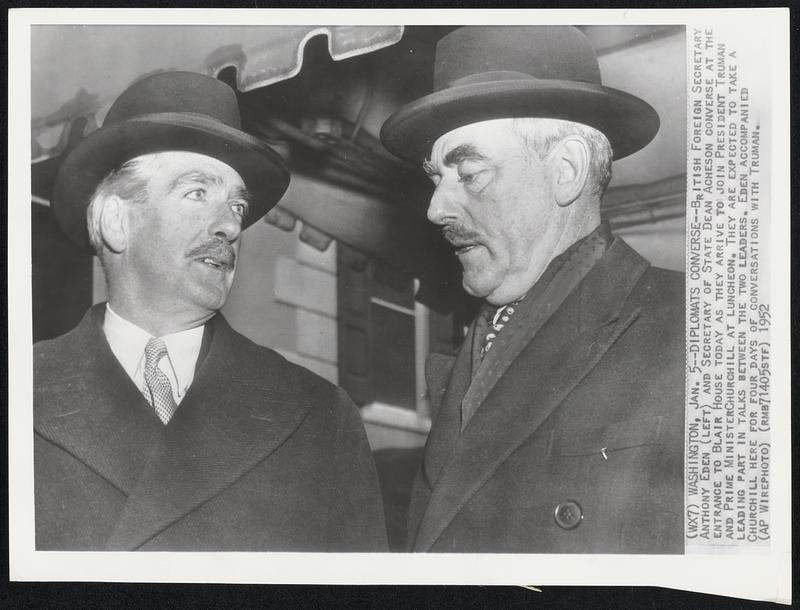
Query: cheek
{"points": [[485, 212], [515, 228], [520, 245], [495, 217]]}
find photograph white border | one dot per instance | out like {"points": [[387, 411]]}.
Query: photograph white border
{"points": [[754, 576]]}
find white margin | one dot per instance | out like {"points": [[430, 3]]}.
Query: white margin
{"points": [[748, 576]]}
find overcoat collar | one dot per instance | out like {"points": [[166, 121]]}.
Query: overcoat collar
{"points": [[565, 350], [227, 423], [94, 411], [559, 280]]}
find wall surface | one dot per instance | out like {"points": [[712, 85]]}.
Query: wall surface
{"points": [[284, 297], [662, 243]]}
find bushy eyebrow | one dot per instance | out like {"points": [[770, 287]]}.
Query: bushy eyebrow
{"points": [[429, 168], [464, 152]]}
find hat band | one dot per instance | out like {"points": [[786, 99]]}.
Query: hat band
{"points": [[488, 77], [181, 118]]}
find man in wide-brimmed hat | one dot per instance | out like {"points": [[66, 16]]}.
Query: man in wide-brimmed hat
{"points": [[157, 426], [559, 424]]}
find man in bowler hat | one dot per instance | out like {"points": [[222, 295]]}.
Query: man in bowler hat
{"points": [[156, 425], [559, 423]]}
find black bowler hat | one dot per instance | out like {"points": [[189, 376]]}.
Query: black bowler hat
{"points": [[181, 111], [487, 72]]}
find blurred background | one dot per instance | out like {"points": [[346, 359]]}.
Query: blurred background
{"points": [[345, 276]]}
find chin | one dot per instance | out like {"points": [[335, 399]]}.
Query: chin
{"points": [[476, 288], [210, 299]]}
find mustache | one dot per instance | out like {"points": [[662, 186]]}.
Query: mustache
{"points": [[217, 249], [459, 235]]}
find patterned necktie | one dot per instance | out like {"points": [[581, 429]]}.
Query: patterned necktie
{"points": [[158, 386], [496, 324]]}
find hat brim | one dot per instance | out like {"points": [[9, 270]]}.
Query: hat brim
{"points": [[261, 168], [628, 122]]}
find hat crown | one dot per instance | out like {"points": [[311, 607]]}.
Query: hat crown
{"points": [[483, 73], [535, 52], [176, 92]]}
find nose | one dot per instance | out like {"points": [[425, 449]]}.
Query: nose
{"points": [[226, 225], [443, 207]]}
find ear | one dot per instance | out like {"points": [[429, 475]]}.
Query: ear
{"points": [[114, 224], [571, 169]]}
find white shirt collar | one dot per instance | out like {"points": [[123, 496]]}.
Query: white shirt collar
{"points": [[127, 342]]}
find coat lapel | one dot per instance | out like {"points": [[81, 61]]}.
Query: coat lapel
{"points": [[564, 274], [566, 349], [508, 345], [226, 424], [438, 368], [447, 423], [94, 411]]}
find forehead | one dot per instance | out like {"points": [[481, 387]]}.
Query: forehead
{"points": [[168, 165], [491, 139]]}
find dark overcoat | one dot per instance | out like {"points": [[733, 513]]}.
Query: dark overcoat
{"points": [[261, 455], [577, 447]]}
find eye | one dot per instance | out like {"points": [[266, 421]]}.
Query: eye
{"points": [[474, 181], [239, 208], [196, 194]]}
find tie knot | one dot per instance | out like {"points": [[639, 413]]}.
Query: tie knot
{"points": [[488, 312], [154, 351], [500, 315]]}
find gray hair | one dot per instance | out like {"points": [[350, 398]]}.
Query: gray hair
{"points": [[540, 135], [128, 182]]}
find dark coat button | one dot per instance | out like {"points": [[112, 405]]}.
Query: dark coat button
{"points": [[568, 514]]}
